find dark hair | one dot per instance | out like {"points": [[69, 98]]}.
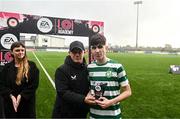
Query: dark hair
{"points": [[97, 39], [17, 44]]}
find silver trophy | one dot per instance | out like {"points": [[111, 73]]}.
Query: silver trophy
{"points": [[99, 90]]}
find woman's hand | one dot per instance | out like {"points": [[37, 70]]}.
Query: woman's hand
{"points": [[18, 100], [14, 102]]}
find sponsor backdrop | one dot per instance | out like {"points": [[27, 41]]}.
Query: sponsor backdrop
{"points": [[12, 24]]}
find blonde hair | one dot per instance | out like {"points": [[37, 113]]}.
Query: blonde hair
{"points": [[23, 69]]}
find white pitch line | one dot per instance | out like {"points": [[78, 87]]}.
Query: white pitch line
{"points": [[50, 79]]}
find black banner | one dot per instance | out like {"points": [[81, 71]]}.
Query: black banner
{"points": [[12, 24]]}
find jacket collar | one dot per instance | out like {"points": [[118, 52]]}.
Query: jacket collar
{"points": [[70, 62]]}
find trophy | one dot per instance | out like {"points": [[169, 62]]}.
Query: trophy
{"points": [[99, 90]]}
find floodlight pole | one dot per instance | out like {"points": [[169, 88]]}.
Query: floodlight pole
{"points": [[137, 3]]}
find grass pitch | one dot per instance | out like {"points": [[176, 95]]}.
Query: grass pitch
{"points": [[155, 92]]}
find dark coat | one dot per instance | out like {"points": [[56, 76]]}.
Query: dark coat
{"points": [[1, 100], [72, 86], [1, 108], [27, 90]]}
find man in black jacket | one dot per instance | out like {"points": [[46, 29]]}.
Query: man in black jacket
{"points": [[72, 85]]}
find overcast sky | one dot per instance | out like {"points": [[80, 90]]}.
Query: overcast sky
{"points": [[159, 20]]}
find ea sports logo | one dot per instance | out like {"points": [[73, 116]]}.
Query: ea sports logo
{"points": [[7, 40], [44, 25]]}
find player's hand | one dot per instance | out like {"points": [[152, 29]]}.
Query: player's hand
{"points": [[104, 102]]}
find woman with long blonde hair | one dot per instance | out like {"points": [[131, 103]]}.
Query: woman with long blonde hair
{"points": [[18, 84]]}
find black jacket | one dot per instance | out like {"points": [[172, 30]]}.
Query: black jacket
{"points": [[1, 100], [27, 90], [1, 108], [72, 85]]}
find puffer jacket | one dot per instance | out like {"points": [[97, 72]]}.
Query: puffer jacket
{"points": [[72, 85]]}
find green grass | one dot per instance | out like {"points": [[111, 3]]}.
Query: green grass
{"points": [[155, 92]]}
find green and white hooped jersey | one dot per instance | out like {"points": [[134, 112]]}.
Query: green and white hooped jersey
{"points": [[114, 75]]}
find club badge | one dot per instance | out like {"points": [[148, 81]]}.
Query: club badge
{"points": [[109, 73]]}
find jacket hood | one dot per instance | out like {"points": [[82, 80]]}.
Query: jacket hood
{"points": [[76, 65]]}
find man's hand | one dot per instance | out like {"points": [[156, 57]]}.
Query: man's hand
{"points": [[89, 99]]}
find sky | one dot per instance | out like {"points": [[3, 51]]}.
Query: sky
{"points": [[159, 20]]}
